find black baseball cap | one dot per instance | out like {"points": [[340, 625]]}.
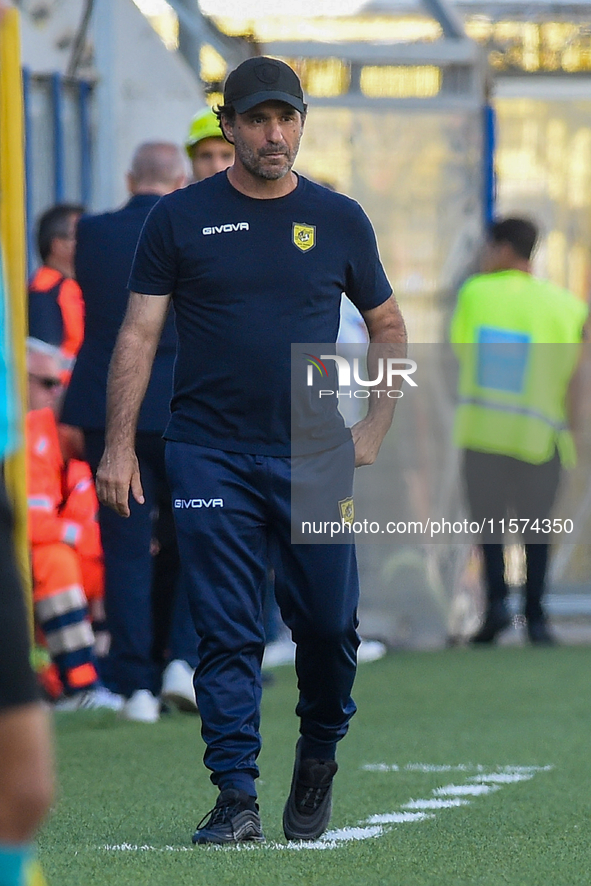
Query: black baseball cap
{"points": [[263, 79]]}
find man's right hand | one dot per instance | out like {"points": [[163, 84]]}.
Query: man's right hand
{"points": [[115, 476]]}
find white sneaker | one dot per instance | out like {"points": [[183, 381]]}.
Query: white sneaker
{"points": [[282, 652], [279, 652], [142, 707], [370, 650], [100, 698], [177, 686]]}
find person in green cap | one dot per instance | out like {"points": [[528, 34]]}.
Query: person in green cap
{"points": [[208, 150]]}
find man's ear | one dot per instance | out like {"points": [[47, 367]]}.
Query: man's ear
{"points": [[226, 129]]}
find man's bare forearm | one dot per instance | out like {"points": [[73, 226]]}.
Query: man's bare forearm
{"points": [[129, 374], [131, 365], [387, 339]]}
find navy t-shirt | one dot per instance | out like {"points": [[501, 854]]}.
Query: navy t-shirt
{"points": [[248, 277]]}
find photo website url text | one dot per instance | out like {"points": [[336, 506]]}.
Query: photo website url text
{"points": [[433, 528]]}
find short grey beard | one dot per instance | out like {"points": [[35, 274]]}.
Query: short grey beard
{"points": [[270, 174], [251, 162], [253, 165]]}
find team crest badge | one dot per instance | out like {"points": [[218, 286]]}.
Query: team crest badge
{"points": [[304, 236], [347, 509]]}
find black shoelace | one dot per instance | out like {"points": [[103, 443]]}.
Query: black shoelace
{"points": [[220, 814], [308, 799]]}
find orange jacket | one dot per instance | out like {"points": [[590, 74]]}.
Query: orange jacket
{"points": [[68, 296], [62, 503]]}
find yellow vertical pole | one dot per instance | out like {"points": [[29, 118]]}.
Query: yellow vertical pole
{"points": [[13, 245]]}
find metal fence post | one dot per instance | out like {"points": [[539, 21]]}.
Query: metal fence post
{"points": [[84, 92], [29, 212], [58, 137]]}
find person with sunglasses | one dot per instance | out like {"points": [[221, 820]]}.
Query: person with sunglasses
{"points": [[67, 556]]}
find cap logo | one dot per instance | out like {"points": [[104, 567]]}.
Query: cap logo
{"points": [[260, 78], [267, 73]]}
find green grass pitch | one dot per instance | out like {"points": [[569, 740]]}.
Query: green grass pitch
{"points": [[509, 726]]}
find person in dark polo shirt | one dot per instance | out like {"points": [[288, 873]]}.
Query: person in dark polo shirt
{"points": [[254, 259], [105, 249]]}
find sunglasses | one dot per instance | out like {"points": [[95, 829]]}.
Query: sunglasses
{"points": [[46, 381]]}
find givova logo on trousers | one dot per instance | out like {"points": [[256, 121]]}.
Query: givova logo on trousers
{"points": [[184, 503]]}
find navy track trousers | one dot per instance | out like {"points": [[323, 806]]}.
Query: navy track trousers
{"points": [[232, 513]]}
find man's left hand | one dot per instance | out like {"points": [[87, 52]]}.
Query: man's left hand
{"points": [[367, 438]]}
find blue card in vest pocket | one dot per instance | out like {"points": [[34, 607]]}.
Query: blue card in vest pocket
{"points": [[502, 359]]}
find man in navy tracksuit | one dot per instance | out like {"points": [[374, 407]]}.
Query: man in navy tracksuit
{"points": [[254, 259], [104, 255]]}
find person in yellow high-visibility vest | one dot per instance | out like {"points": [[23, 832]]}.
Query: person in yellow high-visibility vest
{"points": [[517, 339]]}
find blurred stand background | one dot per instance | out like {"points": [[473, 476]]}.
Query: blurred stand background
{"points": [[433, 114]]}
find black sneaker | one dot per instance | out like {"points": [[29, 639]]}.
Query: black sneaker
{"points": [[539, 633], [496, 620], [307, 811], [233, 819]]}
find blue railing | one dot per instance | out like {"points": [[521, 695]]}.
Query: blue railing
{"points": [[52, 147], [488, 157]]}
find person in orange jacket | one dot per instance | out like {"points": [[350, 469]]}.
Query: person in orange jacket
{"points": [[67, 559], [56, 306]]}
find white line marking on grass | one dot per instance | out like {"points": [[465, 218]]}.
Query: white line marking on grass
{"points": [[435, 804], [447, 797], [430, 767], [501, 778], [380, 767], [398, 817], [261, 847], [484, 771], [134, 847], [330, 840], [421, 767], [345, 834], [466, 790]]}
